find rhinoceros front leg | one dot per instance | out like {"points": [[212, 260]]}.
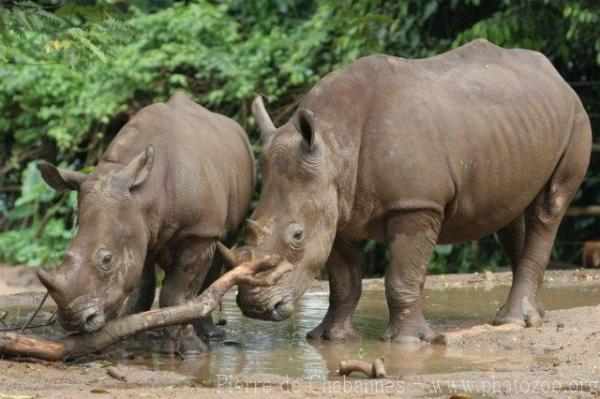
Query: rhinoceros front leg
{"points": [[205, 327], [182, 283], [345, 286], [411, 238]]}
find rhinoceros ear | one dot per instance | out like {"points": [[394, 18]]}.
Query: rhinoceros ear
{"points": [[136, 171], [60, 180], [305, 123], [264, 122]]}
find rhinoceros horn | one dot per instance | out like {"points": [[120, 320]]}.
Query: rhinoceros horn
{"points": [[227, 254], [52, 284], [267, 128]]}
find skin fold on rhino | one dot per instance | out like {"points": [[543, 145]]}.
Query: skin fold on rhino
{"points": [[175, 179], [411, 153]]}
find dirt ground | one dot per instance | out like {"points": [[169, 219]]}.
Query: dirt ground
{"points": [[567, 349]]}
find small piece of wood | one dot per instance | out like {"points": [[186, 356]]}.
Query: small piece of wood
{"points": [[73, 346], [114, 373], [372, 370], [452, 337]]}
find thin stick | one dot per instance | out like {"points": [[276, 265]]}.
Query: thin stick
{"points": [[29, 328], [73, 346], [52, 318], [35, 313]]}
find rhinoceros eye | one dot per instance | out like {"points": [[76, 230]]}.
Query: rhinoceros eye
{"points": [[295, 235], [106, 257], [298, 234]]}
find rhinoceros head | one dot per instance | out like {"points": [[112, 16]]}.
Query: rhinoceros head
{"points": [[297, 213], [104, 260]]}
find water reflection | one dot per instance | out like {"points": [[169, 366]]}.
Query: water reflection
{"points": [[254, 346]]}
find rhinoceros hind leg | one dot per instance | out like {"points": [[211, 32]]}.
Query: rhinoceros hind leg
{"points": [[542, 219], [512, 242], [512, 239], [411, 238], [345, 286]]}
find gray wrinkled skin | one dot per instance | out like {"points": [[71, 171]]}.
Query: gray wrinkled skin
{"points": [[411, 153], [175, 179]]}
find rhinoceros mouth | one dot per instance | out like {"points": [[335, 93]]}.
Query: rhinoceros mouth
{"points": [[278, 308], [282, 310]]}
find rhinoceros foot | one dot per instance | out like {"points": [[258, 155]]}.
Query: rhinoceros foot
{"points": [[207, 329], [527, 313], [186, 343], [334, 332], [409, 333]]}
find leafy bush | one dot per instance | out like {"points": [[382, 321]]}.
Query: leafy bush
{"points": [[72, 74], [42, 241]]}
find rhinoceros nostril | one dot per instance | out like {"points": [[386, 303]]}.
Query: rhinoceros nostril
{"points": [[278, 304], [93, 321]]}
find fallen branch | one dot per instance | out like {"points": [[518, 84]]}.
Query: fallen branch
{"points": [[453, 337], [372, 370], [257, 272]]}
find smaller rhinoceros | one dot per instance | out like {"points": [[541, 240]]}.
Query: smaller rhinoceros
{"points": [[174, 180]]}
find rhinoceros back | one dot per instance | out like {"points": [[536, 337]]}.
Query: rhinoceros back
{"points": [[474, 133], [203, 174]]}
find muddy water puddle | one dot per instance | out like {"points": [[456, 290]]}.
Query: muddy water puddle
{"points": [[260, 347]]}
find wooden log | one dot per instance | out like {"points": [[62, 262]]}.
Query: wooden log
{"points": [[260, 272], [454, 337]]}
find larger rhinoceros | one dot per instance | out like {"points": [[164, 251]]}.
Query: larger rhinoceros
{"points": [[411, 153], [175, 179]]}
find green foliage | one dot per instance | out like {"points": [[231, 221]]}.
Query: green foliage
{"points": [[44, 238], [71, 73]]}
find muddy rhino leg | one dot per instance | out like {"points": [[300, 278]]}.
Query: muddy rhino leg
{"points": [[512, 241], [142, 296], [411, 238], [345, 286], [541, 224], [205, 327], [182, 283], [542, 219]]}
